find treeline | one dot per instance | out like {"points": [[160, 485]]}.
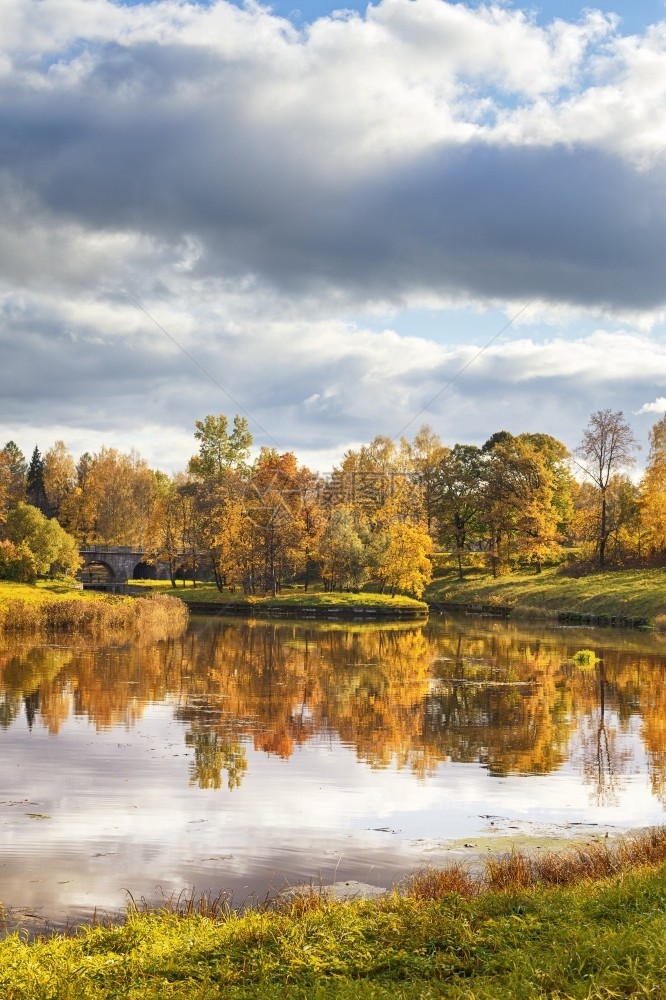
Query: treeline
{"points": [[516, 501]]}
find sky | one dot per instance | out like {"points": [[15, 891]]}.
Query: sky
{"points": [[336, 222]]}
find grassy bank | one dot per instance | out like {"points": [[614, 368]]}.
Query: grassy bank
{"points": [[636, 593], [294, 599], [519, 934], [59, 608]]}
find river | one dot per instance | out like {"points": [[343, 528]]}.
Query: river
{"points": [[248, 756]]}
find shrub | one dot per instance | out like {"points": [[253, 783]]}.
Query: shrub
{"points": [[17, 563]]}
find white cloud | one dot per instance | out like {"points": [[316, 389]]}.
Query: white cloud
{"points": [[657, 406]]}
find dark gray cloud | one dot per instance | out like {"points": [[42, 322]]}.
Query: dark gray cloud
{"points": [[163, 140], [573, 226]]}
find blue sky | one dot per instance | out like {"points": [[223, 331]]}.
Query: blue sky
{"points": [[635, 17], [332, 215]]}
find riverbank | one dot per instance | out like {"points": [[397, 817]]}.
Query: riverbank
{"points": [[207, 599], [586, 924], [639, 594]]}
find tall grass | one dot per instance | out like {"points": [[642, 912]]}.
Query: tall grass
{"points": [[95, 614], [521, 870]]}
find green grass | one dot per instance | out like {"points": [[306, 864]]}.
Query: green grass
{"points": [[635, 592], [289, 598], [593, 940], [43, 592]]}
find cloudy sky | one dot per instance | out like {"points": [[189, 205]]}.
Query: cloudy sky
{"points": [[319, 217]]}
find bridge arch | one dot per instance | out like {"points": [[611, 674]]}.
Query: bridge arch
{"points": [[95, 571], [122, 562], [145, 571]]}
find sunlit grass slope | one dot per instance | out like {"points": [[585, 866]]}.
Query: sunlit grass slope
{"points": [[637, 593]]}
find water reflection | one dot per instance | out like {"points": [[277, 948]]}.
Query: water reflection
{"points": [[412, 696], [460, 718]]}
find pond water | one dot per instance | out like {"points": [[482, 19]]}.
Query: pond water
{"points": [[250, 755]]}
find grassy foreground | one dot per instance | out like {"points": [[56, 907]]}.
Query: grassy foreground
{"points": [[632, 592], [515, 936]]}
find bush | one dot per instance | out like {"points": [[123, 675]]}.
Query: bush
{"points": [[17, 563], [52, 548]]}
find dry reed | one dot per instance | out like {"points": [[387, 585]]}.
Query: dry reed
{"points": [[522, 870], [158, 615]]}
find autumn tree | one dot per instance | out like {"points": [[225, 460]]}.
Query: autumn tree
{"points": [[607, 447], [653, 493], [366, 478], [112, 503], [309, 509], [164, 538], [273, 505], [426, 454], [227, 532], [622, 518], [527, 495], [12, 477], [60, 479], [407, 566]]}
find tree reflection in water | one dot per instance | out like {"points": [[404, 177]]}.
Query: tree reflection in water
{"points": [[410, 696]]}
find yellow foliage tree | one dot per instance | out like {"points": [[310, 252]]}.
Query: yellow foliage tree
{"points": [[653, 493], [406, 563]]}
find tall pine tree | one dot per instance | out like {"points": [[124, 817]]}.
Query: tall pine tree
{"points": [[35, 492]]}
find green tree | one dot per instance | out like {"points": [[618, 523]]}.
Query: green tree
{"points": [[34, 482], [54, 550], [17, 563], [460, 498], [525, 502], [342, 554], [219, 449]]}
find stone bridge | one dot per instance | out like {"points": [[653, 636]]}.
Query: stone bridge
{"points": [[116, 564]]}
